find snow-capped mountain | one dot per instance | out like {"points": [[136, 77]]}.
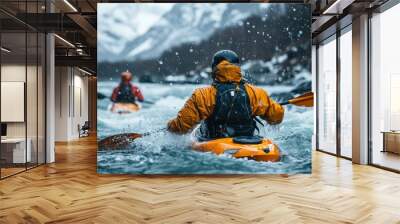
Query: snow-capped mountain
{"points": [[119, 23], [123, 39]]}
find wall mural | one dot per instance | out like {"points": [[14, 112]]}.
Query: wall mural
{"points": [[205, 88]]}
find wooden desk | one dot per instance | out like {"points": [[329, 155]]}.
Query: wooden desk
{"points": [[13, 150], [391, 141]]}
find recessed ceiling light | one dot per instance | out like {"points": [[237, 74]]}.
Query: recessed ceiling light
{"points": [[65, 41], [84, 71], [70, 5], [5, 50]]}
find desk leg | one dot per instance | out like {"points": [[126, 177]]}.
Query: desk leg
{"points": [[384, 143]]}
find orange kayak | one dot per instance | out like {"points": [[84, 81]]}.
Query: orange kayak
{"points": [[255, 148], [124, 108]]}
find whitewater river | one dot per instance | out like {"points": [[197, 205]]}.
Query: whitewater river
{"points": [[166, 153]]}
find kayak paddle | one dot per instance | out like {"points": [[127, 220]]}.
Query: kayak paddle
{"points": [[305, 100], [124, 139]]}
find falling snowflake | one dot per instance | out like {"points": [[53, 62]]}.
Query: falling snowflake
{"points": [[300, 33]]}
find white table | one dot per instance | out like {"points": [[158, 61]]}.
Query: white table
{"points": [[18, 149]]}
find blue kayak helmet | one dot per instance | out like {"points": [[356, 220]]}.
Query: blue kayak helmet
{"points": [[227, 55]]}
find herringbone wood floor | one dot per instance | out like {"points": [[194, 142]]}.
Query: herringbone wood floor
{"points": [[70, 191]]}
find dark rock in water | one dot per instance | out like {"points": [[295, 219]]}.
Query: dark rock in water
{"points": [[302, 87], [101, 96]]}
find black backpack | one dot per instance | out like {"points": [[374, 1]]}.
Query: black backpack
{"points": [[232, 115], [125, 94]]}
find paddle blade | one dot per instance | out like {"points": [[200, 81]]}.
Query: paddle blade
{"points": [[120, 141], [117, 141], [305, 100]]}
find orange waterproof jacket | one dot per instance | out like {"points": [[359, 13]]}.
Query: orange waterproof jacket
{"points": [[201, 104]]}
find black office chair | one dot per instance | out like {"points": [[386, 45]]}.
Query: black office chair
{"points": [[84, 130]]}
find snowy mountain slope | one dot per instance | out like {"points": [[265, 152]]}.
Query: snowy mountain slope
{"points": [[183, 23], [118, 24]]}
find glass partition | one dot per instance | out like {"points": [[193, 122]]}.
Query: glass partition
{"points": [[385, 89], [346, 94], [14, 153], [22, 101], [327, 96]]}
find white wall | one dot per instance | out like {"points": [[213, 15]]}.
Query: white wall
{"points": [[71, 102], [80, 110], [33, 127], [61, 103], [16, 73], [12, 73]]}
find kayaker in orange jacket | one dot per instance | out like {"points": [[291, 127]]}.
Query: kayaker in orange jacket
{"points": [[229, 106]]}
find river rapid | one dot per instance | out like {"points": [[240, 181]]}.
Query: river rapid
{"points": [[166, 153]]}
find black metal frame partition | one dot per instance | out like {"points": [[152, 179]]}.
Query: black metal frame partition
{"points": [[337, 34], [44, 94]]}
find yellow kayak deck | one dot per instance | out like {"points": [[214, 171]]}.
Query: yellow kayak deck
{"points": [[123, 108], [266, 150]]}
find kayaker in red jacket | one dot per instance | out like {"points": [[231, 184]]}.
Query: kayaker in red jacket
{"points": [[126, 92]]}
